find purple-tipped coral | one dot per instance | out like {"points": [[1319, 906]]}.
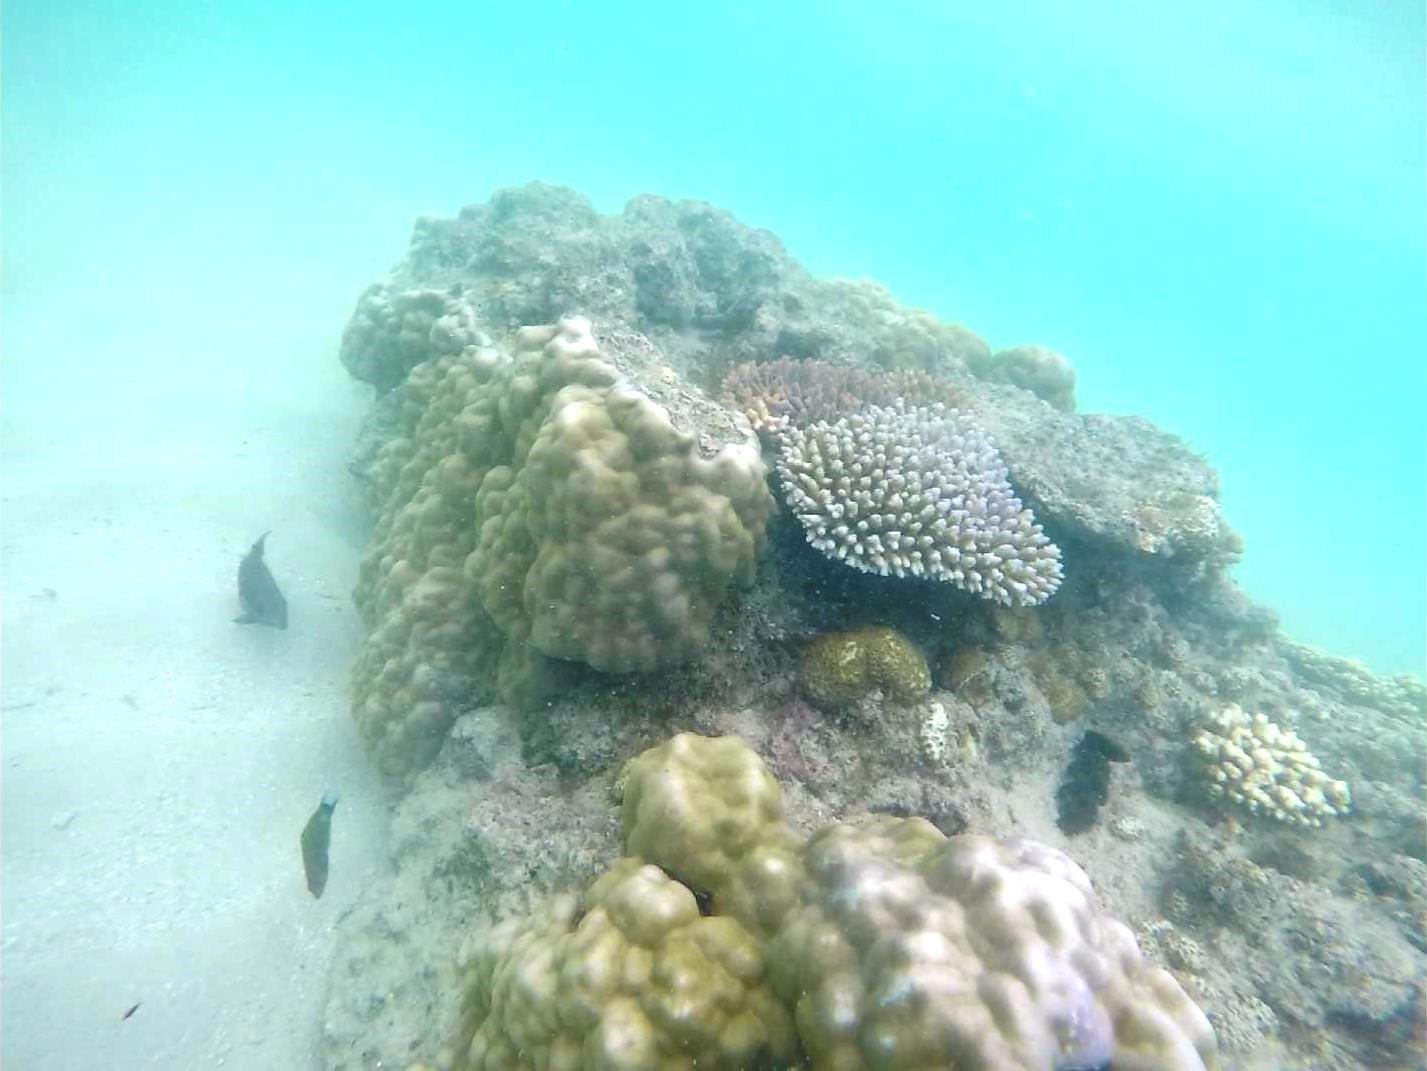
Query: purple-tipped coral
{"points": [[914, 491]]}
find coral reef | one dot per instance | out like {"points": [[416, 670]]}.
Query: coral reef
{"points": [[1266, 770], [911, 491], [886, 944], [1303, 945]]}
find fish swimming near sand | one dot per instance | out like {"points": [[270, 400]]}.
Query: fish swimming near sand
{"points": [[316, 837], [262, 602]]}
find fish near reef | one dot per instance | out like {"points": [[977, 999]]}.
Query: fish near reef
{"points": [[316, 837], [261, 600]]}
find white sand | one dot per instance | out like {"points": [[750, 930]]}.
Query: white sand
{"points": [[159, 761]]}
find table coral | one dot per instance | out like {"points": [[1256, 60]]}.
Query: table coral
{"points": [[917, 491]]}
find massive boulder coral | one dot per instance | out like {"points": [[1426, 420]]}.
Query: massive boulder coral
{"points": [[549, 509], [880, 944], [394, 330], [628, 976], [611, 534], [838, 669]]}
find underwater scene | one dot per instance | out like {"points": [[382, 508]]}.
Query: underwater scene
{"points": [[792, 536]]}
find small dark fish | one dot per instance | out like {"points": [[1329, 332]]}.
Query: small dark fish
{"points": [[316, 836], [262, 602], [132, 1010]]}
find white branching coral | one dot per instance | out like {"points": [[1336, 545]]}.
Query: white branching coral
{"points": [[915, 491], [1267, 770]]}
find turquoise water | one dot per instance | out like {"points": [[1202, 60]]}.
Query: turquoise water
{"points": [[1218, 216]]}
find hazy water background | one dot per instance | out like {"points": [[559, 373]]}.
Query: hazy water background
{"points": [[1215, 213]]}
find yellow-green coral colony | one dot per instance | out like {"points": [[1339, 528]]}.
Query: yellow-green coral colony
{"points": [[876, 944], [840, 668]]}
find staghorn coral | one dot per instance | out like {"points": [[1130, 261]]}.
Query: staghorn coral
{"points": [[912, 491], [880, 943], [1267, 770], [839, 668]]}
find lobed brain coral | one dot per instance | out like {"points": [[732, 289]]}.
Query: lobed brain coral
{"points": [[914, 491], [839, 668], [877, 944]]}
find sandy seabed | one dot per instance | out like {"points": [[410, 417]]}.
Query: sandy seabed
{"points": [[159, 761]]}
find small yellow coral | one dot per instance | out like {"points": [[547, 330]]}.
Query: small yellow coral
{"points": [[840, 668], [1267, 770]]}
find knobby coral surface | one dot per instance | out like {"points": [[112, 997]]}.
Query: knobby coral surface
{"points": [[547, 509], [881, 943]]}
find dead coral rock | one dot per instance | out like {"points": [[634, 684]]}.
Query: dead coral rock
{"points": [[1115, 482]]}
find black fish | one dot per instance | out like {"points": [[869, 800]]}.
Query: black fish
{"points": [[316, 836], [262, 603], [131, 1011], [1086, 784]]}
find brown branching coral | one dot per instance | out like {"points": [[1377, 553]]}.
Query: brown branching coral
{"points": [[775, 394]]}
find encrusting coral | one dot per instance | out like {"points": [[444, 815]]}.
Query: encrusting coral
{"points": [[915, 491], [1267, 770], [878, 943]]}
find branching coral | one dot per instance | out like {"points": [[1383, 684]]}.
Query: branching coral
{"points": [[777, 394], [914, 491], [1267, 770]]}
